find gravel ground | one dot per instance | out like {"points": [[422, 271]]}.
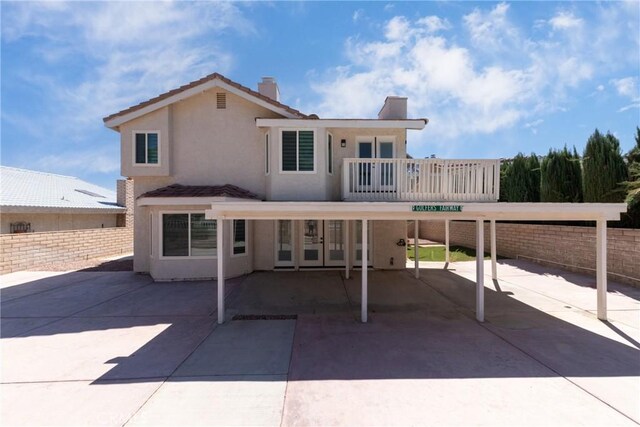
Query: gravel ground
{"points": [[96, 264]]}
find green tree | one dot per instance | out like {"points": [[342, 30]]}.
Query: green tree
{"points": [[632, 186], [561, 177], [520, 179], [603, 169]]}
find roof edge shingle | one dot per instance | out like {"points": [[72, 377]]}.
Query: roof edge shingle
{"points": [[179, 190], [199, 82]]}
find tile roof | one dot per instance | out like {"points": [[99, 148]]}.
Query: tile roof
{"points": [[178, 190], [199, 82], [27, 188]]}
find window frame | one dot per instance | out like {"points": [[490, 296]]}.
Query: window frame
{"points": [[146, 146], [330, 150], [233, 238], [315, 152], [267, 153], [161, 236]]}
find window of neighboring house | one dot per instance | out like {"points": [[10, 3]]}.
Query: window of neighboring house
{"points": [[298, 151], [239, 237], [330, 153], [266, 154], [146, 148], [188, 235]]}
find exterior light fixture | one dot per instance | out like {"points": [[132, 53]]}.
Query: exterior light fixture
{"points": [[343, 143]]}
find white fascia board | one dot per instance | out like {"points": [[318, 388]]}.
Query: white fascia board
{"points": [[117, 121], [417, 124], [403, 211], [183, 201]]}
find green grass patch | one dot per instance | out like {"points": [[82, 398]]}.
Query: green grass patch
{"points": [[436, 253]]}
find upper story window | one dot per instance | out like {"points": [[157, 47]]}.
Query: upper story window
{"points": [[298, 151], [146, 148]]}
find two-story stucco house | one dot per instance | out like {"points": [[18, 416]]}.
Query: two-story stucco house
{"points": [[229, 180]]}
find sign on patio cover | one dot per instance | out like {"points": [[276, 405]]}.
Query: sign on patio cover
{"points": [[436, 208]]}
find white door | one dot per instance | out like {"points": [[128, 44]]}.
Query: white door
{"points": [[334, 242], [377, 175], [312, 243], [385, 170], [284, 243], [366, 150]]}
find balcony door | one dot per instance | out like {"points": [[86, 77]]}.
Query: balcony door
{"points": [[379, 175]]}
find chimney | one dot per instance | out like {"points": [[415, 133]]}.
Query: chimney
{"points": [[269, 88], [394, 108]]}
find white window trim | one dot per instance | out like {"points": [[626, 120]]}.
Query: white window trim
{"points": [[161, 237], [246, 238], [330, 164], [315, 152], [133, 149], [294, 245], [267, 150]]}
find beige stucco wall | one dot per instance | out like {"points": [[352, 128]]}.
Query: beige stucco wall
{"points": [[41, 222]]}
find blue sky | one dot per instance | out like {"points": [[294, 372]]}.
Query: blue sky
{"points": [[493, 78]]}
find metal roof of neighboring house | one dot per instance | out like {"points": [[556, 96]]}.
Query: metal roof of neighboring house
{"points": [[42, 191], [199, 82], [178, 190]]}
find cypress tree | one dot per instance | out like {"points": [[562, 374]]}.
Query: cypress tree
{"points": [[603, 169], [521, 179], [561, 177]]}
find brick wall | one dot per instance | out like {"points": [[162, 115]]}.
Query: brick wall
{"points": [[573, 248], [28, 250]]}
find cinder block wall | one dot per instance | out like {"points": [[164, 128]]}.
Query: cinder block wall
{"points": [[28, 250], [573, 248]]}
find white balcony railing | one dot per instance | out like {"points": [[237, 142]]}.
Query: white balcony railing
{"points": [[421, 180]]}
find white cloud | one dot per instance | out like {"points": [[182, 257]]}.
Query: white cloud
{"points": [[600, 88], [434, 23], [492, 30], [533, 126], [627, 87], [357, 15], [565, 20], [75, 162], [129, 59]]}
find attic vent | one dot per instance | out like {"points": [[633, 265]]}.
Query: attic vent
{"points": [[90, 193], [221, 99]]}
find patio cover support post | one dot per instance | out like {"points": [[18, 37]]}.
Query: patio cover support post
{"points": [[220, 279], [416, 255], [365, 238], [446, 241], [494, 255], [480, 270], [601, 267], [347, 239]]}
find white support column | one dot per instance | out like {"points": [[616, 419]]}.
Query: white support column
{"points": [[446, 241], [480, 270], [347, 248], [416, 254], [365, 238], [220, 279], [494, 253], [601, 267]]}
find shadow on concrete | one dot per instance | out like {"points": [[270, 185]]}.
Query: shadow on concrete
{"points": [[418, 328]]}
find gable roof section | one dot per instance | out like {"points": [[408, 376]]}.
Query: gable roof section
{"points": [[178, 190], [32, 191], [193, 88]]}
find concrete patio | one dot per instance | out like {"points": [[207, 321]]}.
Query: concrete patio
{"points": [[114, 348]]}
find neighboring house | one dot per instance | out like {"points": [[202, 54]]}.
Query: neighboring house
{"points": [[228, 180], [32, 201]]}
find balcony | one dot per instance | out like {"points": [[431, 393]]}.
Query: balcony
{"points": [[408, 180]]}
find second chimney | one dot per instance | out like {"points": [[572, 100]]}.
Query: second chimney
{"points": [[394, 108], [269, 88]]}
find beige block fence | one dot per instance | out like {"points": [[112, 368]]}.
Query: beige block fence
{"points": [[568, 247]]}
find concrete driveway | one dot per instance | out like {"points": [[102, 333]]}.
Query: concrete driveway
{"points": [[114, 348]]}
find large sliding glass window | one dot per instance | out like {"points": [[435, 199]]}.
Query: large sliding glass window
{"points": [[188, 235], [298, 151]]}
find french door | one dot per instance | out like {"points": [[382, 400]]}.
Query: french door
{"points": [[312, 243], [379, 175]]}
